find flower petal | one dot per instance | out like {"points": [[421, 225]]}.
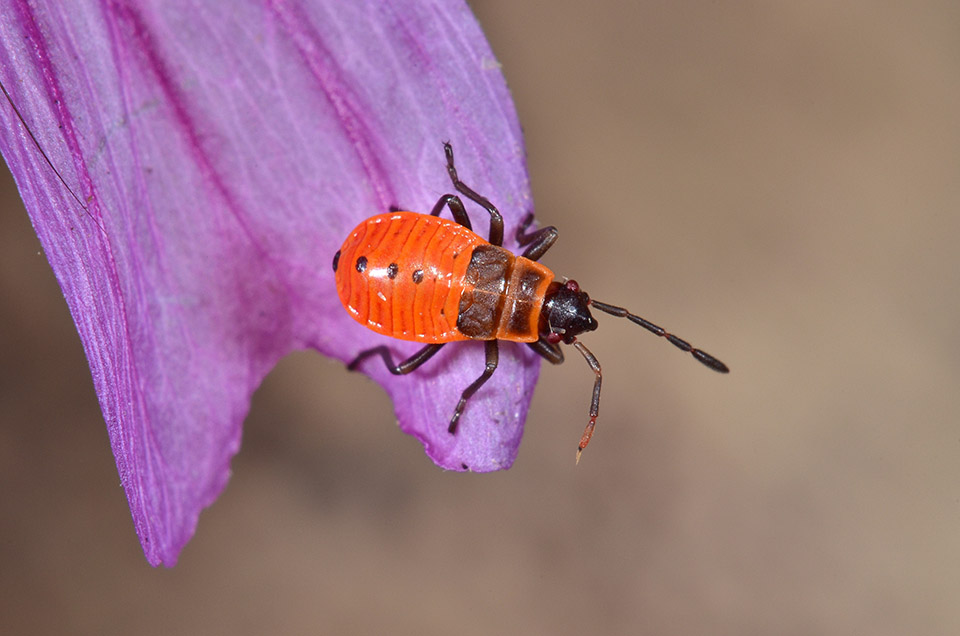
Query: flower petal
{"points": [[221, 158]]}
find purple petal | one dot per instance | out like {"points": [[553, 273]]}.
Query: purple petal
{"points": [[222, 156]]}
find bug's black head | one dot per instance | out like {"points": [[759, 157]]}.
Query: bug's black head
{"points": [[565, 313]]}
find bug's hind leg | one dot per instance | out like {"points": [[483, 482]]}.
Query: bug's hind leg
{"points": [[493, 358], [539, 241], [496, 220], [551, 352], [410, 364], [456, 208]]}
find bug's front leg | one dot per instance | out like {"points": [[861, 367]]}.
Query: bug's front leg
{"points": [[538, 242], [547, 350]]}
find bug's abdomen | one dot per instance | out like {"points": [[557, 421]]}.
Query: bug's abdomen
{"points": [[402, 274]]}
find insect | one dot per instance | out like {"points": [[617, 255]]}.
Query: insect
{"points": [[419, 277]]}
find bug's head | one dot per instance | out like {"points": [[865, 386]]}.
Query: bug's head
{"points": [[566, 313]]}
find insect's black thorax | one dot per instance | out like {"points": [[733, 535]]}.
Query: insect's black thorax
{"points": [[503, 296]]}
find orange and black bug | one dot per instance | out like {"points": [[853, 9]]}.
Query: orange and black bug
{"points": [[422, 278]]}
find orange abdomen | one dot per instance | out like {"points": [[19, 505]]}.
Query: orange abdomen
{"points": [[419, 277]]}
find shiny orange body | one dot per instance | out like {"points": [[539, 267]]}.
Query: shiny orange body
{"points": [[431, 280]]}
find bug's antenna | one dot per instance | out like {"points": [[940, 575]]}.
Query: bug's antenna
{"points": [[40, 148], [683, 345], [594, 401]]}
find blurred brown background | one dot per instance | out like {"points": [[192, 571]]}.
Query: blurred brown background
{"points": [[778, 183]]}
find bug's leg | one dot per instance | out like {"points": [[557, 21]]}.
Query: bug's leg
{"points": [[410, 364], [496, 221], [594, 402], [539, 241], [493, 357], [552, 352], [456, 208], [522, 237]]}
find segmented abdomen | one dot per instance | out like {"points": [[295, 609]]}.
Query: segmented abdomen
{"points": [[401, 274]]}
